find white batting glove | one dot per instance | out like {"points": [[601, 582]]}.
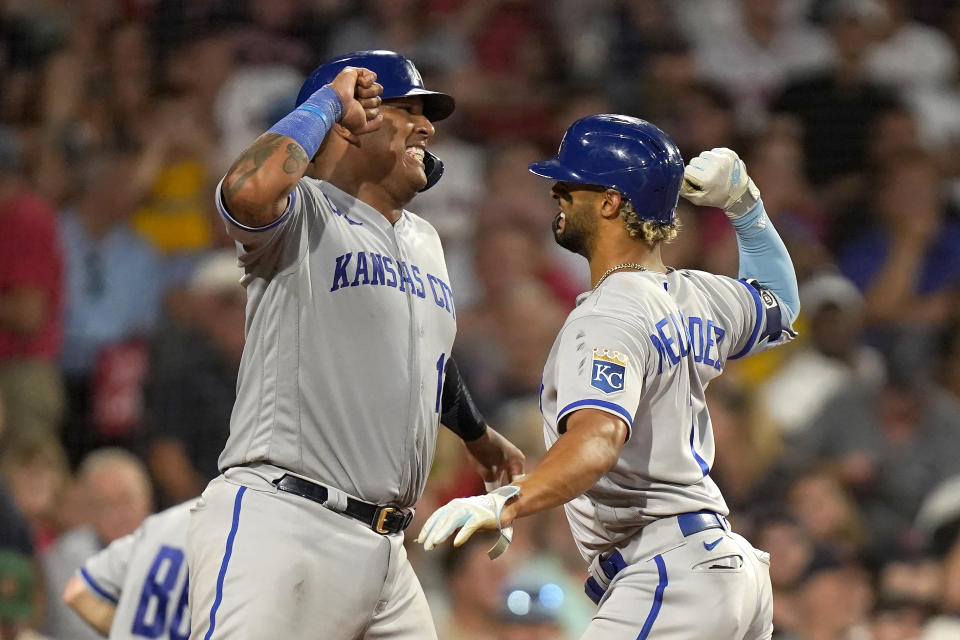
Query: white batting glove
{"points": [[718, 178], [469, 515]]}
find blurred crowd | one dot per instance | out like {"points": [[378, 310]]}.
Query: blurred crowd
{"points": [[121, 317]]}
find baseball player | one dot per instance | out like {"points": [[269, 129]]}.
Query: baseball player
{"points": [[346, 372], [625, 417], [137, 586]]}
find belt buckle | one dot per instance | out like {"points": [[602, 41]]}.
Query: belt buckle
{"points": [[381, 518]]}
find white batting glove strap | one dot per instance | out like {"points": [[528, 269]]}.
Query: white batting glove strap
{"points": [[467, 514], [718, 178], [495, 484]]}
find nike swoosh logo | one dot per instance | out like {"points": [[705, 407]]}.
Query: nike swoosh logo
{"points": [[711, 545]]}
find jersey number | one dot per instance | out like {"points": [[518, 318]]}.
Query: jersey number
{"points": [[151, 618], [439, 380]]}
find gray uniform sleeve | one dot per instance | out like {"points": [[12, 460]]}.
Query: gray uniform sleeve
{"points": [[749, 312], [600, 365], [281, 243], [105, 572]]}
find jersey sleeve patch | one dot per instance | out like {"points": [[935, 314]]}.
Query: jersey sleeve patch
{"points": [[609, 374]]}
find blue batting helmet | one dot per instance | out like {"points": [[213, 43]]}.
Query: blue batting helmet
{"points": [[399, 78], [628, 154]]}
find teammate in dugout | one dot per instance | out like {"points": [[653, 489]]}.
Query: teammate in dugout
{"points": [[137, 586], [629, 438], [346, 371]]}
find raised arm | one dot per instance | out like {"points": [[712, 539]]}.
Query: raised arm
{"points": [[256, 188], [718, 178]]}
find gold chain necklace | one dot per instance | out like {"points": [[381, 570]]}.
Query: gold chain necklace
{"points": [[625, 265]]}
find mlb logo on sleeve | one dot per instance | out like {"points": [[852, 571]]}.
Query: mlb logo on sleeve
{"points": [[609, 370]]}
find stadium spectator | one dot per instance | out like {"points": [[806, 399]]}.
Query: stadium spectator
{"points": [[192, 384], [18, 603], [907, 264], [174, 209], [833, 357], [14, 529], [747, 444], [908, 54], [759, 51], [507, 89], [37, 476], [473, 586], [835, 107], [31, 293], [501, 355], [114, 490], [438, 46], [827, 512], [112, 301], [889, 445], [834, 602]]}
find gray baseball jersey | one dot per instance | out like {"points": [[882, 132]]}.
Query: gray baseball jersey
{"points": [[644, 346], [350, 321], [145, 575]]}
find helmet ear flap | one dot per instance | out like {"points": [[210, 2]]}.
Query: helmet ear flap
{"points": [[433, 167]]}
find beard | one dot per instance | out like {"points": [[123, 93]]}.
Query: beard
{"points": [[574, 236]]}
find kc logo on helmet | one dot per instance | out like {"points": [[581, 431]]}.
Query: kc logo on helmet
{"points": [[609, 370]]}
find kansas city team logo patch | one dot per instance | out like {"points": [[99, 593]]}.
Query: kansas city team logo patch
{"points": [[609, 370]]}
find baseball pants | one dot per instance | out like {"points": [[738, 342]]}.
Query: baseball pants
{"points": [[710, 584], [265, 564]]}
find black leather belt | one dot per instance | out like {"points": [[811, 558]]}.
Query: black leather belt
{"points": [[383, 520]]}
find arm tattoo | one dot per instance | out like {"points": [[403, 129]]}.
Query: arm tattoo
{"points": [[257, 153], [296, 159]]}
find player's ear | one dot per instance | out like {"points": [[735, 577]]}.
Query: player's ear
{"points": [[610, 203], [343, 132]]}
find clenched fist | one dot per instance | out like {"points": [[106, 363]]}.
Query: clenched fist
{"points": [[718, 178]]}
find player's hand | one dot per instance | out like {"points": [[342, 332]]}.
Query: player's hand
{"points": [[718, 178], [359, 94], [498, 460], [467, 514]]}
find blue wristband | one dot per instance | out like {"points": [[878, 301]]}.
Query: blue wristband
{"points": [[309, 123]]}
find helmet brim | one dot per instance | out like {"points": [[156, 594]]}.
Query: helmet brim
{"points": [[436, 106], [555, 170]]}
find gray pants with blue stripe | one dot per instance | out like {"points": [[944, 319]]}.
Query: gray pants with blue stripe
{"points": [[267, 564], [711, 584]]}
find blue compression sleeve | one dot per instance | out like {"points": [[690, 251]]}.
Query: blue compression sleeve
{"points": [[310, 122], [764, 257]]}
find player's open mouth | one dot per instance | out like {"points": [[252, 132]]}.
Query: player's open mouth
{"points": [[416, 153]]}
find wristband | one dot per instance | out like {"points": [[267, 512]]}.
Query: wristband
{"points": [[744, 203], [506, 532], [309, 123]]}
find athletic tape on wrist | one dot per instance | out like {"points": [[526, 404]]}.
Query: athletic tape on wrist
{"points": [[309, 123]]}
